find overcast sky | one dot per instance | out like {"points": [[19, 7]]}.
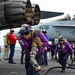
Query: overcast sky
{"points": [[67, 6]]}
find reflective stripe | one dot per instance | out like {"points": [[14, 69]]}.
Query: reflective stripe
{"points": [[21, 42]]}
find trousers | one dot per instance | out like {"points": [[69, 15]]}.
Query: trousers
{"points": [[62, 59], [28, 66]]}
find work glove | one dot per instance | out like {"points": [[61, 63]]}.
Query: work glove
{"points": [[34, 44], [54, 57], [72, 56], [37, 41], [5, 46]]}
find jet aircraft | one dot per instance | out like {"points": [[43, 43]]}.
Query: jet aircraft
{"points": [[11, 18], [55, 29], [13, 13]]}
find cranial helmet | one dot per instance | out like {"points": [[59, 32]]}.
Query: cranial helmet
{"points": [[44, 31], [61, 38], [11, 31], [25, 28]]}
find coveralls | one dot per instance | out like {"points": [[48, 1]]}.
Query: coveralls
{"points": [[27, 45], [45, 53], [63, 53]]}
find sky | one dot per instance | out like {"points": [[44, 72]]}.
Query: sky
{"points": [[66, 6]]}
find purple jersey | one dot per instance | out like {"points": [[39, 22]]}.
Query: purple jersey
{"points": [[27, 44], [65, 48]]}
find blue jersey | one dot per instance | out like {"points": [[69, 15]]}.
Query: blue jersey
{"points": [[46, 36]]}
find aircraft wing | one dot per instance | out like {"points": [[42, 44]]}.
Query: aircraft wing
{"points": [[49, 14]]}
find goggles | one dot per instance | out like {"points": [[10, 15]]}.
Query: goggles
{"points": [[60, 40], [26, 33]]}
